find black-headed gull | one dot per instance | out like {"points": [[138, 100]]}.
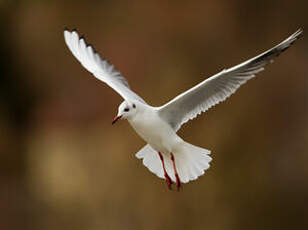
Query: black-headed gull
{"points": [[166, 154]]}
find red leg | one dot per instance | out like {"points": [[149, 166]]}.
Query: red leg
{"points": [[168, 179], [178, 181]]}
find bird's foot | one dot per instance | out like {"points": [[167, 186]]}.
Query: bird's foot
{"points": [[178, 182], [169, 181], [167, 177]]}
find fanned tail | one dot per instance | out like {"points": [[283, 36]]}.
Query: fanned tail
{"points": [[191, 161]]}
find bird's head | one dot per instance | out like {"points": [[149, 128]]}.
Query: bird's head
{"points": [[126, 110]]}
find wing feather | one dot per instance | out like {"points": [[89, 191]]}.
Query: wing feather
{"points": [[99, 67], [219, 87]]}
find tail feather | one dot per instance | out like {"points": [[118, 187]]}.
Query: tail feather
{"points": [[151, 160], [191, 161]]}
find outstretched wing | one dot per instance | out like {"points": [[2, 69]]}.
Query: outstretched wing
{"points": [[219, 87], [99, 67]]}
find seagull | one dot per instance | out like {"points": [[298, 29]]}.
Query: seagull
{"points": [[166, 154]]}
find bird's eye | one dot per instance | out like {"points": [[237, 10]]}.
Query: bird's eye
{"points": [[126, 109], [134, 106]]}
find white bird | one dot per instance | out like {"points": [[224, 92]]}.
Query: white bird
{"points": [[166, 154]]}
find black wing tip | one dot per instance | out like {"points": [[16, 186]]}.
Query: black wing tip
{"points": [[299, 33], [93, 48], [276, 51], [291, 40], [300, 30], [66, 29], [296, 35], [82, 37]]}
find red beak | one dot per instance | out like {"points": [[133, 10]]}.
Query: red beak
{"points": [[115, 119]]}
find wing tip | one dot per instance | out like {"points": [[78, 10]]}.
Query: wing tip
{"points": [[285, 44], [69, 30], [81, 37], [295, 36], [299, 33], [66, 31]]}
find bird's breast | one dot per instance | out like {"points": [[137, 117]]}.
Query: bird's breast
{"points": [[155, 131]]}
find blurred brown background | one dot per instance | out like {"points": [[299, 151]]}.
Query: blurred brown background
{"points": [[63, 166]]}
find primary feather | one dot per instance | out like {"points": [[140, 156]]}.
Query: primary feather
{"points": [[99, 67], [219, 87]]}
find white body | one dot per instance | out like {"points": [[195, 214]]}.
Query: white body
{"points": [[155, 131], [191, 161]]}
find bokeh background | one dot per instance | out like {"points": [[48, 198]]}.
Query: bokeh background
{"points": [[62, 164]]}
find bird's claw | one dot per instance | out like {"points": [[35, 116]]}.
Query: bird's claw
{"points": [[178, 182], [169, 181]]}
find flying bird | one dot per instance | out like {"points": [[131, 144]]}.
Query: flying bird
{"points": [[166, 154]]}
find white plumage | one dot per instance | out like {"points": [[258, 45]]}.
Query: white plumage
{"points": [[99, 67], [166, 154], [219, 87]]}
